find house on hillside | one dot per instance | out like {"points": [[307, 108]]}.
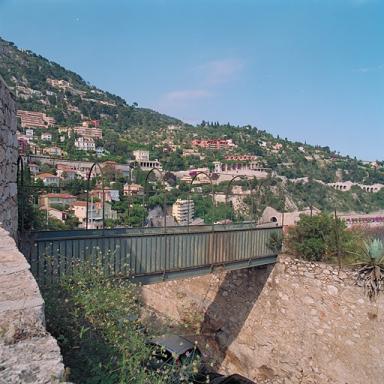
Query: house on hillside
{"points": [[109, 194], [46, 136], [48, 179], [95, 213], [133, 190], [53, 151], [62, 199], [85, 144], [55, 213]]}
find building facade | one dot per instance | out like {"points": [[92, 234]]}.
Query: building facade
{"points": [[183, 211], [30, 119], [214, 143], [48, 179], [63, 199], [84, 144]]}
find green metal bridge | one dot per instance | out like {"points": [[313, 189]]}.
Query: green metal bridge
{"points": [[153, 254]]}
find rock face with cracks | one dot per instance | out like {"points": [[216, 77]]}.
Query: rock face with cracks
{"points": [[296, 322]]}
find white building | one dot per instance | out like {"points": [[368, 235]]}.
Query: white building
{"points": [[48, 179], [183, 211], [142, 160], [29, 133], [141, 155], [84, 144], [95, 213], [46, 136]]}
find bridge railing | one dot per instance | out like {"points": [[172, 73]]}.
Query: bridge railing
{"points": [[152, 254]]}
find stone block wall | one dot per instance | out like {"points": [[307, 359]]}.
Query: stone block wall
{"points": [[8, 160], [304, 322], [28, 353]]}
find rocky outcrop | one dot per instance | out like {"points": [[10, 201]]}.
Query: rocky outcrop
{"points": [[8, 160], [302, 323]]}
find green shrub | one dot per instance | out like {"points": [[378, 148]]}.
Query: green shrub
{"points": [[96, 322], [321, 238]]}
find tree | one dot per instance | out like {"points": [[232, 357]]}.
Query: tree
{"points": [[320, 238]]}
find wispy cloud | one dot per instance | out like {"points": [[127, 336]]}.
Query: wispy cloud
{"points": [[206, 79], [219, 71], [180, 99], [186, 95], [369, 69]]}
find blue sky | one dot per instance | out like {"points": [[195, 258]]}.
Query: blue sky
{"points": [[309, 70]]}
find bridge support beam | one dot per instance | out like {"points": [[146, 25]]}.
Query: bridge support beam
{"points": [[205, 270]]}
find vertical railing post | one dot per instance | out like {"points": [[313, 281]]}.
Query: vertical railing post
{"points": [[337, 239], [94, 165], [20, 189]]}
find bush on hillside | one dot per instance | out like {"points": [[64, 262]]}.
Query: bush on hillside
{"points": [[321, 238], [95, 319]]}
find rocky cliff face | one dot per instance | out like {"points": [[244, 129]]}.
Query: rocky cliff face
{"points": [[299, 323]]}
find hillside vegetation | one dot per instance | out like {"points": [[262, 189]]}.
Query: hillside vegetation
{"points": [[128, 127]]}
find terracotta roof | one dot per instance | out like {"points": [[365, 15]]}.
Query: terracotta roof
{"points": [[81, 203], [133, 186], [43, 175]]}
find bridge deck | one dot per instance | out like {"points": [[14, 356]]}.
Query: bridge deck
{"points": [[152, 254]]}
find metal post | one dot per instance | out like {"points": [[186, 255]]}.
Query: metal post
{"points": [[337, 238], [91, 212], [88, 188], [20, 187]]}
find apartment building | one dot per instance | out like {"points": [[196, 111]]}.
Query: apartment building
{"points": [[62, 84], [141, 155], [84, 144], [46, 136], [53, 151], [241, 158], [65, 172], [183, 211], [109, 194], [214, 143], [95, 213], [29, 119], [48, 179], [88, 132], [63, 199], [133, 190]]}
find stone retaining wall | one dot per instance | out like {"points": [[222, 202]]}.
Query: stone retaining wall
{"points": [[28, 354], [301, 323], [8, 160]]}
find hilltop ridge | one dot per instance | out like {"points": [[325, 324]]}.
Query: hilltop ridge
{"points": [[305, 173]]}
